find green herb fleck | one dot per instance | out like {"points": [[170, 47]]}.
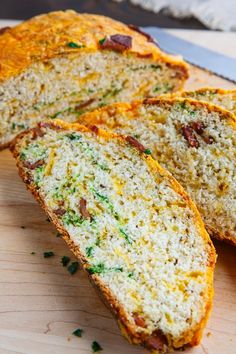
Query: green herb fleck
{"points": [[101, 41], [22, 155], [118, 269], [78, 332], [38, 175], [32, 252], [125, 235], [48, 254], [73, 267], [58, 234], [71, 217], [89, 251], [130, 275], [97, 268], [156, 89], [153, 66], [65, 260], [75, 45], [74, 136], [147, 151], [96, 347], [18, 125], [55, 115]]}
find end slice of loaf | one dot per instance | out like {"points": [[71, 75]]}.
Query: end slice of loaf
{"points": [[195, 141], [219, 97], [132, 226], [63, 63]]}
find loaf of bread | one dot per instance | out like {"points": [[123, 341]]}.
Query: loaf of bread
{"points": [[195, 141], [219, 97], [68, 62], [129, 222]]}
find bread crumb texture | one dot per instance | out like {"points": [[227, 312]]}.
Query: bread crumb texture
{"points": [[220, 97], [138, 234], [55, 66], [196, 142]]}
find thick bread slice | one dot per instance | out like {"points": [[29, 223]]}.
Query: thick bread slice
{"points": [[195, 141], [68, 62], [219, 97], [130, 223]]}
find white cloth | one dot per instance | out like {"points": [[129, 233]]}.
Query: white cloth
{"points": [[215, 14]]}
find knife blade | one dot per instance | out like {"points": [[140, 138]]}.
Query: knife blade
{"points": [[204, 58]]}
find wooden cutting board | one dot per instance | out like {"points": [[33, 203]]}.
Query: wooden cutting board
{"points": [[41, 304]]}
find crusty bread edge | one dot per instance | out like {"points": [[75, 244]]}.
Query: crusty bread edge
{"points": [[191, 337], [96, 117]]}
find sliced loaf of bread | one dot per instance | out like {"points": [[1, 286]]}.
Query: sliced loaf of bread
{"points": [[69, 62], [219, 97], [129, 222], [195, 141]]}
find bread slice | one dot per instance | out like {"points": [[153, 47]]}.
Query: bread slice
{"points": [[195, 141], [133, 227], [65, 62], [219, 97]]}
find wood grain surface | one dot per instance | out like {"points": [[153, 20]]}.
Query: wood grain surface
{"points": [[41, 304]]}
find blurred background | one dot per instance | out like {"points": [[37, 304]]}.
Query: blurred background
{"points": [[189, 14]]}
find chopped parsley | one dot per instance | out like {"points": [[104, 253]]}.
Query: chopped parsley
{"points": [[18, 125], [89, 251], [22, 155], [55, 115], [71, 218], [154, 66], [101, 41], [126, 236], [75, 45], [130, 274], [32, 252], [118, 269], [147, 151], [96, 347], [74, 136], [156, 89], [78, 332], [73, 267], [65, 260], [48, 254], [97, 268]]}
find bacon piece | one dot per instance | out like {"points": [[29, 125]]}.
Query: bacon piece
{"points": [[95, 129], [84, 104], [208, 139], [139, 321], [83, 209], [132, 141], [198, 127], [34, 165], [59, 211], [138, 29], [49, 125], [117, 42], [4, 29], [189, 135], [37, 132], [157, 341]]}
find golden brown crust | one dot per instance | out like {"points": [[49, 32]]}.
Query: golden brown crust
{"points": [[128, 329], [105, 115], [46, 36]]}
